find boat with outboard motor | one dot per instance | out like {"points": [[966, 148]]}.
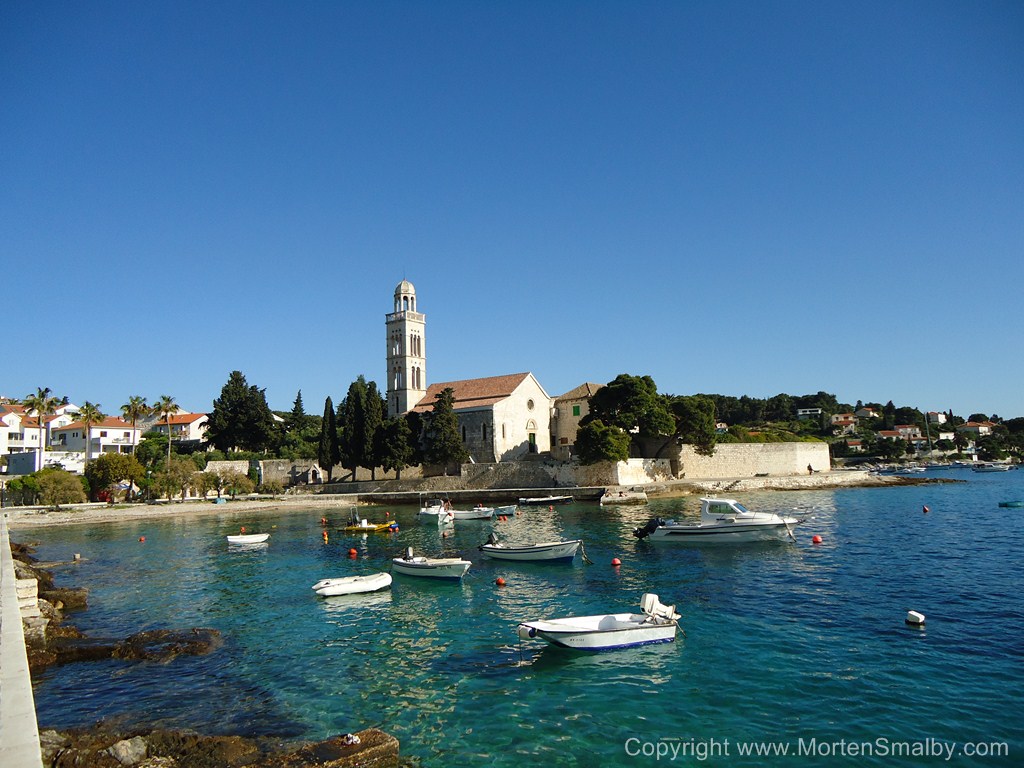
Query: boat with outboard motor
{"points": [[433, 567], [721, 521], [546, 551], [352, 585], [656, 623]]}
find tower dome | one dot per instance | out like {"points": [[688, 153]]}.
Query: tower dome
{"points": [[405, 287]]}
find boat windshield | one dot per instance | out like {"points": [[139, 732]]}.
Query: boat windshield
{"points": [[741, 509]]}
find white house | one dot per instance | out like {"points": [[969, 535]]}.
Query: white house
{"points": [[184, 426], [500, 418], [808, 413], [112, 435]]}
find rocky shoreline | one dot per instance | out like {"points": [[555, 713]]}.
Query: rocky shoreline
{"points": [[50, 639]]}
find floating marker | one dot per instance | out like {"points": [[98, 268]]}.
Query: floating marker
{"points": [[499, 581], [142, 538], [816, 539], [915, 619], [616, 561]]}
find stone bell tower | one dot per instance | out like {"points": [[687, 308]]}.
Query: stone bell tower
{"points": [[407, 364]]}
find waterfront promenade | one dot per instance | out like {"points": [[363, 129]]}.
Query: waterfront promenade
{"points": [[19, 733]]}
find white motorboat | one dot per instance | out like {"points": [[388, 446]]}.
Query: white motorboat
{"points": [[351, 585], [432, 567], [540, 501], [248, 538], [656, 623], [992, 467], [443, 510], [547, 551], [721, 521]]}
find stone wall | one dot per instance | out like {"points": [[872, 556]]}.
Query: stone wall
{"points": [[752, 459]]}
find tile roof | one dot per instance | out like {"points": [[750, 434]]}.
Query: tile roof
{"points": [[109, 421], [184, 418], [585, 390], [473, 393]]}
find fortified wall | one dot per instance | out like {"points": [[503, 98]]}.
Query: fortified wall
{"points": [[732, 460]]}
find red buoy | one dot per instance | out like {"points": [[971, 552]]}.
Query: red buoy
{"points": [[142, 538], [499, 581], [816, 539], [352, 553], [616, 561]]}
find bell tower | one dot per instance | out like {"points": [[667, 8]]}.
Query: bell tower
{"points": [[407, 364]]}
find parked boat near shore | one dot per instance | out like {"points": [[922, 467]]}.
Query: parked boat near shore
{"points": [[248, 538], [546, 551], [540, 501], [721, 521], [352, 585], [431, 567]]}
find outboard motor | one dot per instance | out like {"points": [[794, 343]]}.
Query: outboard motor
{"points": [[652, 525], [492, 539]]}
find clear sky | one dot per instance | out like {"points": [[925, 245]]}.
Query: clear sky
{"points": [[743, 198]]}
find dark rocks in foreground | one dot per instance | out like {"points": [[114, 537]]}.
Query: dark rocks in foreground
{"points": [[187, 749]]}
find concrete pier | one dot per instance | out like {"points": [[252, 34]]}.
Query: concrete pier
{"points": [[19, 731]]}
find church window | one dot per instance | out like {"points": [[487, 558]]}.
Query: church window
{"points": [[529, 404]]}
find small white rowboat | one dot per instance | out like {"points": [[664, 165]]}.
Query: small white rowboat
{"points": [[548, 551], [248, 538], [351, 585], [656, 623]]}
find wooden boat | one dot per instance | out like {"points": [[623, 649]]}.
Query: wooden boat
{"points": [[721, 521], [248, 538], [351, 585], [656, 623], [547, 551], [432, 567], [543, 501]]}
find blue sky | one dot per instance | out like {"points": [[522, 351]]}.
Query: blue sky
{"points": [[732, 197]]}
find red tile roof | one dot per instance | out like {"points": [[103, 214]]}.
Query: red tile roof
{"points": [[109, 421], [473, 393]]}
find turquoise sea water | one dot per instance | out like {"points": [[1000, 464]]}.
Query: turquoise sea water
{"points": [[791, 646]]}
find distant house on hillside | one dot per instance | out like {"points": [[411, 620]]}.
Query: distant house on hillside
{"points": [[936, 417], [845, 422], [978, 428], [565, 418], [808, 413], [867, 413], [185, 427], [501, 418]]}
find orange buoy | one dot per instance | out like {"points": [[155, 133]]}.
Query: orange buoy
{"points": [[325, 535], [387, 514], [142, 538], [499, 581], [550, 508], [816, 539], [243, 529], [323, 521], [352, 553], [616, 561]]}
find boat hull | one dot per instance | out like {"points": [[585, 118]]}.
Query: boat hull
{"points": [[551, 552], [352, 585], [600, 633], [248, 538], [724, 533], [544, 501], [442, 568]]}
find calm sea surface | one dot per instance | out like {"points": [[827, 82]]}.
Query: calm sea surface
{"points": [[793, 646]]}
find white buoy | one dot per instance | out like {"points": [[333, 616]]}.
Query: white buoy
{"points": [[915, 619]]}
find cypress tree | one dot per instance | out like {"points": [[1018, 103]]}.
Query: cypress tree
{"points": [[328, 453], [443, 444]]}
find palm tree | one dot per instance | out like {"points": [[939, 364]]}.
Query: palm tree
{"points": [[165, 407], [44, 404], [89, 414], [132, 411]]}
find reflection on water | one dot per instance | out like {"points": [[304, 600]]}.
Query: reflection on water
{"points": [[778, 637]]}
